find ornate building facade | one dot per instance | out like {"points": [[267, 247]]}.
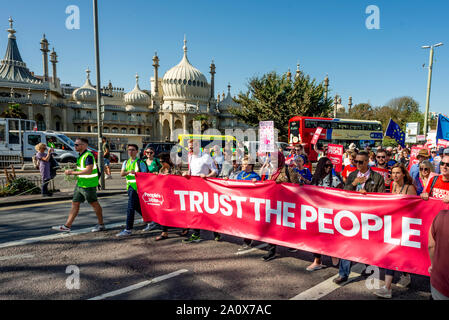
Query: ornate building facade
{"points": [[173, 102]]}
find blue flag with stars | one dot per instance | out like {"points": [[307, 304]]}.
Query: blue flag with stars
{"points": [[442, 128], [395, 132]]}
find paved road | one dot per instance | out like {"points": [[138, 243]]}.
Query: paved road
{"points": [[138, 267]]}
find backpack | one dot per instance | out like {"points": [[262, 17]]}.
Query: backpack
{"points": [[35, 162]]}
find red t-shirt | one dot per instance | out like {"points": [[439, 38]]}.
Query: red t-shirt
{"points": [[440, 189], [347, 170]]}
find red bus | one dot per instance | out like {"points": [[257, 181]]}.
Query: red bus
{"points": [[335, 131]]}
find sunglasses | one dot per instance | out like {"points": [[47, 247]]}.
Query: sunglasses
{"points": [[444, 164], [424, 169], [359, 161], [149, 152], [380, 157]]}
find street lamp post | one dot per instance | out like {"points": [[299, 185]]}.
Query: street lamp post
{"points": [[429, 83], [99, 113]]}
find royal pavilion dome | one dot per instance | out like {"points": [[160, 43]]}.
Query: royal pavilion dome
{"points": [[228, 102], [184, 82], [87, 92], [136, 97]]}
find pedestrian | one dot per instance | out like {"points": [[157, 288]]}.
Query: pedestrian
{"points": [[200, 165], [129, 168], [218, 158], [324, 177], [86, 186], [389, 159], [247, 174], [383, 168], [402, 184], [280, 174], [405, 157], [437, 159], [320, 150], [438, 247], [305, 176], [154, 165], [351, 167], [106, 155], [44, 167], [362, 180], [438, 186], [426, 172], [372, 159], [423, 154], [227, 166], [168, 167]]}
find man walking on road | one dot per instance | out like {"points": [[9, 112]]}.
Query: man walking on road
{"points": [[129, 169], [86, 187]]}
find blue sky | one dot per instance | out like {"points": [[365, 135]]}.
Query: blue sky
{"points": [[247, 38]]}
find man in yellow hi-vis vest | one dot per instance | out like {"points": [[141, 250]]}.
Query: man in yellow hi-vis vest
{"points": [[129, 169], [86, 187]]}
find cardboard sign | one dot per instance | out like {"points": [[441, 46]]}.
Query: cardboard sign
{"points": [[316, 136], [266, 136]]}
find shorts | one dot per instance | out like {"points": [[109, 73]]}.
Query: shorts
{"points": [[83, 194], [107, 162]]}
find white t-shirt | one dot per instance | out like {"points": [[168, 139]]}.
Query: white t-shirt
{"points": [[201, 164]]}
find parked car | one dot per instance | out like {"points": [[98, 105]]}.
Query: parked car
{"points": [[113, 158], [158, 147]]}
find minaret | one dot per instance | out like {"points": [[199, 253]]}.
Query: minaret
{"points": [[297, 71], [156, 81], [326, 87], [45, 51], [212, 80], [54, 61], [289, 75], [229, 90], [349, 104], [335, 106]]}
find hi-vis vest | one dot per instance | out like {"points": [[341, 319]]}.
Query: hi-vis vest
{"points": [[87, 180], [131, 178]]}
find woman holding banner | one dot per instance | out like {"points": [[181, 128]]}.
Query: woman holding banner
{"points": [[281, 174], [324, 177], [426, 172], [402, 184]]}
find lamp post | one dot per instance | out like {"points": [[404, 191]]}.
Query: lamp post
{"points": [[99, 107], [429, 83]]}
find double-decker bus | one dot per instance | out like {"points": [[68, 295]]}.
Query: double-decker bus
{"points": [[335, 131]]}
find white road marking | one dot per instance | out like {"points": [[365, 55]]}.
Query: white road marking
{"points": [[19, 256], [324, 288], [59, 235], [139, 285], [260, 246]]}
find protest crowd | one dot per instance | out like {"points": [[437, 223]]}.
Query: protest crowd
{"points": [[368, 170]]}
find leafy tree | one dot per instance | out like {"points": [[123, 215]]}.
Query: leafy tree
{"points": [[278, 98], [14, 111], [205, 123]]}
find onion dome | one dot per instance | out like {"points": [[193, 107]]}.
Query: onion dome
{"points": [[86, 93], [184, 81], [136, 97], [228, 103]]}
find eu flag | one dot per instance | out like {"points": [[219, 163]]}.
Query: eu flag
{"points": [[442, 128], [395, 132]]}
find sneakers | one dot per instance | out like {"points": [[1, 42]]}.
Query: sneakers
{"points": [[217, 238], [315, 267], [193, 239], [98, 227], [268, 257], [340, 280], [62, 228], [152, 226], [244, 247], [404, 281], [292, 250], [383, 293], [124, 233]]}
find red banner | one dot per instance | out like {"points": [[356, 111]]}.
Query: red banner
{"points": [[414, 156], [335, 154], [385, 230], [316, 136], [384, 173], [442, 143]]}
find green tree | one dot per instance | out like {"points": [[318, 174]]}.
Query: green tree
{"points": [[14, 111], [205, 123], [277, 98]]}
